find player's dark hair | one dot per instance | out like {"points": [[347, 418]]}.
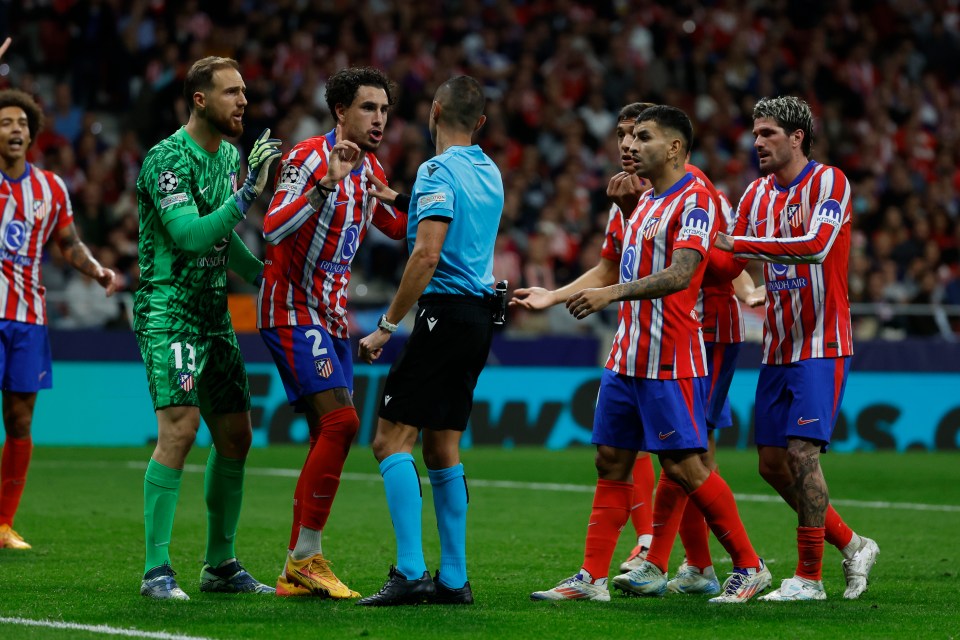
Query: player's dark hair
{"points": [[632, 110], [200, 76], [790, 113], [462, 100], [342, 87], [667, 117], [22, 99]]}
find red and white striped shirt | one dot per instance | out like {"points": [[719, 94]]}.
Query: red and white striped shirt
{"points": [[307, 266], [719, 309], [802, 232], [33, 206], [661, 339]]}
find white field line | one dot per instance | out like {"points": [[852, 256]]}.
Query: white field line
{"points": [[525, 486], [98, 628]]}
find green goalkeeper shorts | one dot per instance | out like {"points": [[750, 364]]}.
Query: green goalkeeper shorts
{"points": [[185, 369]]}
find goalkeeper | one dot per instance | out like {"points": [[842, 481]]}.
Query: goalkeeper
{"points": [[189, 204]]}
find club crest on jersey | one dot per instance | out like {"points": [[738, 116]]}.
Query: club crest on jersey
{"points": [[650, 227], [39, 209], [324, 367], [626, 263], [167, 182], [794, 215], [185, 381]]}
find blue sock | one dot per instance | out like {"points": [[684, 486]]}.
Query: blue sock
{"points": [[405, 502], [450, 502]]}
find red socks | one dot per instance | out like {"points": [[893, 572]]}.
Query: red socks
{"points": [[837, 532], [668, 508], [716, 502], [13, 475], [809, 552], [641, 510], [298, 499], [321, 472], [694, 535], [611, 508]]}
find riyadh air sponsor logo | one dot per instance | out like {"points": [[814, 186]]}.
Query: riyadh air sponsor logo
{"points": [[333, 267], [15, 235], [626, 263], [207, 262], [20, 261], [802, 422], [789, 283], [351, 242]]}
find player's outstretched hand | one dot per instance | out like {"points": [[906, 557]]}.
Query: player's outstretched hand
{"points": [[533, 298], [756, 298], [343, 155], [5, 46], [109, 280], [265, 151], [371, 347], [379, 190], [583, 303]]}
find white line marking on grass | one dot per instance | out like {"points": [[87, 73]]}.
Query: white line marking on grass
{"points": [[99, 628], [528, 486]]}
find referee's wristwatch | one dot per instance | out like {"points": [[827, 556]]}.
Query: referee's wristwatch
{"points": [[386, 325]]}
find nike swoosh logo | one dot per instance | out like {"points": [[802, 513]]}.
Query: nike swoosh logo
{"points": [[340, 202], [664, 436], [204, 189], [320, 497], [801, 421], [808, 564]]}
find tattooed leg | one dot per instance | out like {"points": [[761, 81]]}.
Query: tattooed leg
{"points": [[809, 485]]}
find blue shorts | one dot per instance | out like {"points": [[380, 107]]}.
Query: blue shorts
{"points": [[309, 360], [640, 414], [24, 357], [800, 400], [721, 363]]}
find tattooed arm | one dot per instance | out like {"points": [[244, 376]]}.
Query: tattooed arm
{"points": [[674, 278], [77, 254]]}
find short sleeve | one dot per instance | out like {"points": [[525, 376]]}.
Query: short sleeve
{"points": [[435, 192]]}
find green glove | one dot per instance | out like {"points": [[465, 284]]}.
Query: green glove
{"points": [[265, 151]]}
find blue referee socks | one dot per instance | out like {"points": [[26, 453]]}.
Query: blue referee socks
{"points": [[450, 503], [405, 501]]}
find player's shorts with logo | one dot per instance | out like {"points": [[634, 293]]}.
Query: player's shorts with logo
{"points": [[184, 369], [721, 363], [642, 414], [800, 400], [309, 360], [431, 383], [24, 357]]}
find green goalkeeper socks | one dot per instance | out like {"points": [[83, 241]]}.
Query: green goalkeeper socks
{"points": [[161, 488], [223, 491]]}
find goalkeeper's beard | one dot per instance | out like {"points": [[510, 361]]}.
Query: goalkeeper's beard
{"points": [[223, 124]]}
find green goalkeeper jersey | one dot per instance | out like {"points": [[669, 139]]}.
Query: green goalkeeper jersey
{"points": [[181, 291]]}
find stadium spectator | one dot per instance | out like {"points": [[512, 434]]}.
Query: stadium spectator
{"points": [[804, 237], [188, 209], [318, 218], [652, 389], [36, 207], [456, 205]]}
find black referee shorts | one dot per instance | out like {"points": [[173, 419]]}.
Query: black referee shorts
{"points": [[430, 386]]}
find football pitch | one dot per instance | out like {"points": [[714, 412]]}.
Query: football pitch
{"points": [[82, 511]]}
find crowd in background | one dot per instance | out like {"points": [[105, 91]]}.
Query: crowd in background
{"points": [[881, 78]]}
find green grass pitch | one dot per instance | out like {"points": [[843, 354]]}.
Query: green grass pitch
{"points": [[82, 511]]}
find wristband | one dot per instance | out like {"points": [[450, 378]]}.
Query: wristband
{"points": [[402, 202]]}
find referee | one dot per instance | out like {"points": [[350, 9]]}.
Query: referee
{"points": [[454, 213]]}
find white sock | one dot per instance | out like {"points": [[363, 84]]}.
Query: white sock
{"points": [[852, 547], [586, 577], [645, 540], [308, 543]]}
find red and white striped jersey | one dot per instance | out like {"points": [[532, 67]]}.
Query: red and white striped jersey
{"points": [[613, 238], [307, 266], [719, 309], [802, 232], [661, 338], [33, 206]]}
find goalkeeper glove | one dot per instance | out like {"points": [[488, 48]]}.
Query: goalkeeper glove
{"points": [[264, 151]]}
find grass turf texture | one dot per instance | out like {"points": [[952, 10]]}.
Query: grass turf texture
{"points": [[82, 511]]}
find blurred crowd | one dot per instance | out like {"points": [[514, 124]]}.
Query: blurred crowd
{"points": [[881, 77]]}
